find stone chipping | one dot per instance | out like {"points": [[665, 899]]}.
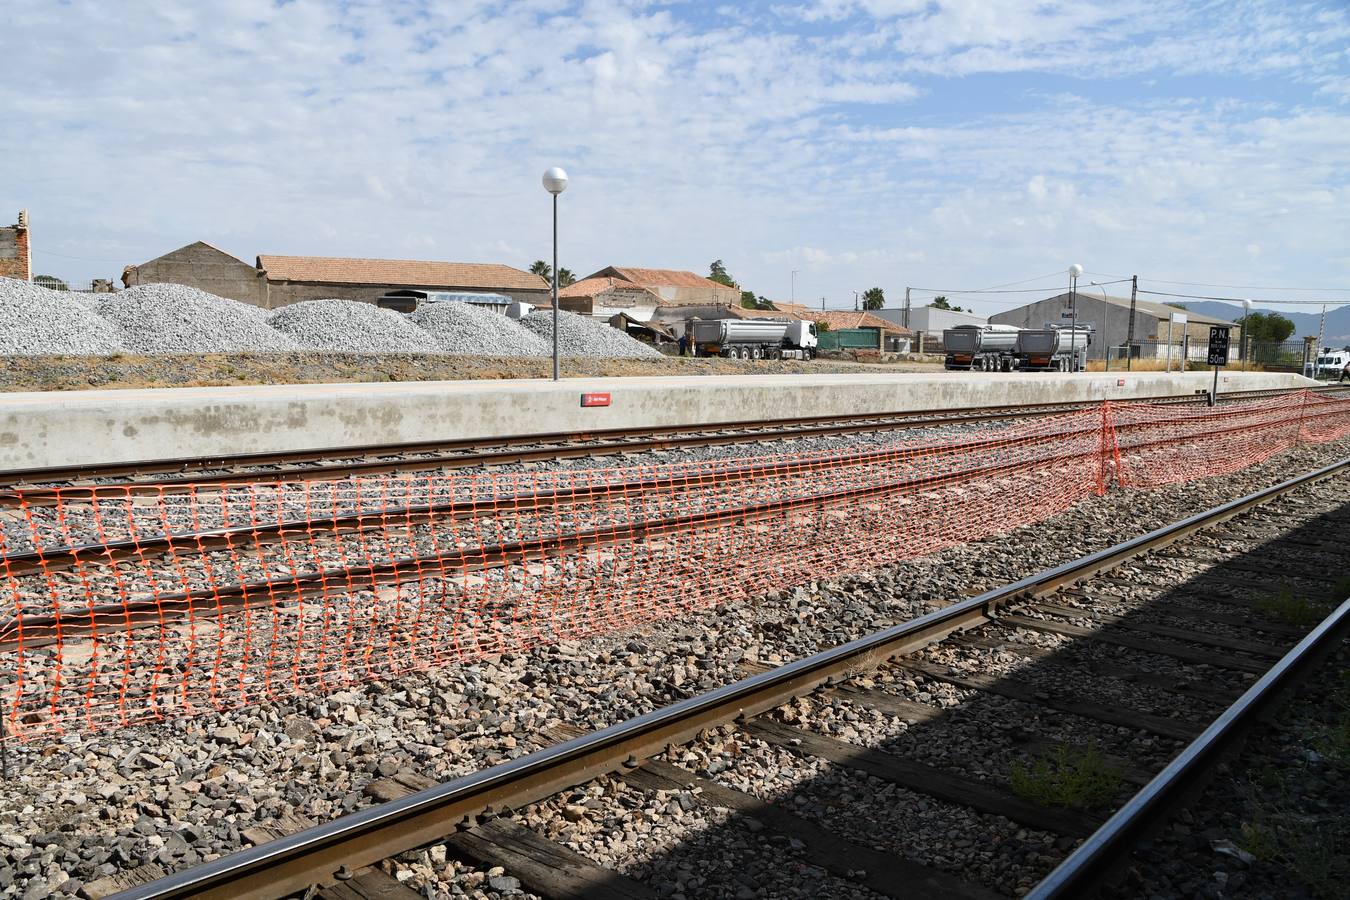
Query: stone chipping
{"points": [[174, 318], [580, 336], [35, 321], [462, 328], [187, 790], [350, 326]]}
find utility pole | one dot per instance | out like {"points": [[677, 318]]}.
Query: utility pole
{"points": [[1129, 332], [906, 307], [855, 301], [822, 304]]}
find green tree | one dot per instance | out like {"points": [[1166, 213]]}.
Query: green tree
{"points": [[873, 298], [718, 272], [542, 269], [1177, 305], [1268, 327], [565, 277], [941, 302]]}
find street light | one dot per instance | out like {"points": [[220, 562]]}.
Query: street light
{"points": [[1074, 271], [794, 285], [555, 182], [1246, 347]]}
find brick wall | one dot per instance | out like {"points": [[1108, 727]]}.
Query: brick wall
{"points": [[15, 260]]}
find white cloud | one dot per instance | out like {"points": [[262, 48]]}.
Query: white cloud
{"points": [[814, 137]]}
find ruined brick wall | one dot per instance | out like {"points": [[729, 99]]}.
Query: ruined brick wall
{"points": [[14, 254]]}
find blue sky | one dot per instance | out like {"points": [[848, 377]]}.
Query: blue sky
{"points": [[940, 143]]}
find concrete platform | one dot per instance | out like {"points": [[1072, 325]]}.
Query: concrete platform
{"points": [[86, 427]]}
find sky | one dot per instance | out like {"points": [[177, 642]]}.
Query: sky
{"points": [[939, 144]]}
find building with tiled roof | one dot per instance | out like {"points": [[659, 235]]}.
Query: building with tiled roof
{"points": [[675, 287], [293, 278], [604, 297]]}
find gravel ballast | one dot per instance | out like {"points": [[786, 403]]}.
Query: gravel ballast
{"points": [[463, 328], [579, 336], [350, 326], [35, 321], [173, 318], [187, 790]]}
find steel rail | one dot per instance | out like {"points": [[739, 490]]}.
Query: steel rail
{"points": [[560, 446], [295, 862], [65, 557], [62, 557], [1096, 859], [155, 609]]}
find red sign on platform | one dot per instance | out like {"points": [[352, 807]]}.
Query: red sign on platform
{"points": [[1120, 382], [595, 399]]}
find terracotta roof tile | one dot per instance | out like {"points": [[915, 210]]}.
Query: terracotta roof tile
{"points": [[399, 272], [674, 277], [590, 287]]}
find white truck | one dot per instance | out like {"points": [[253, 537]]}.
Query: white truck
{"points": [[984, 348], [753, 338]]}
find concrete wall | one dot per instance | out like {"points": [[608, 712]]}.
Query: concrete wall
{"points": [[15, 259], [204, 267], [84, 427], [635, 304], [281, 293]]}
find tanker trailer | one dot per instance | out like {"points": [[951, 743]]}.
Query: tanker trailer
{"points": [[754, 338], [987, 348]]}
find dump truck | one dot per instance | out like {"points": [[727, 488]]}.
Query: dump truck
{"points": [[984, 348], [753, 338], [1053, 349]]}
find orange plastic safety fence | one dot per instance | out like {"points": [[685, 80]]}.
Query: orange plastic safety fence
{"points": [[130, 608]]}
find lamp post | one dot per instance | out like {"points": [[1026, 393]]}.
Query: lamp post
{"points": [[1245, 347], [794, 285], [555, 182], [1074, 271]]}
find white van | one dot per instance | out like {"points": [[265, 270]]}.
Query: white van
{"points": [[1329, 363]]}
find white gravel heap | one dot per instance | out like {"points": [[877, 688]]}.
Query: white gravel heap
{"points": [[174, 318], [349, 326], [463, 328], [35, 321], [581, 336]]}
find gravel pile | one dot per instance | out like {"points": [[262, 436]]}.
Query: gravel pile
{"points": [[79, 810], [35, 321], [174, 318], [349, 326], [463, 328], [580, 336]]}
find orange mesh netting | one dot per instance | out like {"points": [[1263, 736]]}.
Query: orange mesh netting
{"points": [[131, 604]]}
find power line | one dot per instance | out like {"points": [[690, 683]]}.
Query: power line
{"points": [[1241, 299], [1249, 287], [81, 258], [991, 291]]}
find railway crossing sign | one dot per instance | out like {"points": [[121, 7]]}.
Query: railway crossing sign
{"points": [[1218, 345]]}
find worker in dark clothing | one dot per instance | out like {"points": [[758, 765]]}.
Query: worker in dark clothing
{"points": [[1345, 373], [684, 344]]}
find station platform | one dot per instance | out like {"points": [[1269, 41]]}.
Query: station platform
{"points": [[71, 428]]}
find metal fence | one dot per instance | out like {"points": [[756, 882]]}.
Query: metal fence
{"points": [[1282, 356], [848, 339]]}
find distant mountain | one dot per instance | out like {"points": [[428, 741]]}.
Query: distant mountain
{"points": [[1305, 323]]}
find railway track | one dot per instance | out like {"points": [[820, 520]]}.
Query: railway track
{"points": [[1143, 661], [167, 476]]}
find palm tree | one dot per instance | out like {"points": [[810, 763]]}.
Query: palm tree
{"points": [[565, 277], [543, 270]]}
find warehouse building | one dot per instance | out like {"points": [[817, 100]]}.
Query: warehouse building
{"points": [[1109, 318], [15, 257], [204, 267], [274, 281], [929, 321], [291, 279]]}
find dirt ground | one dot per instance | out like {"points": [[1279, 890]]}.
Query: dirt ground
{"points": [[75, 373]]}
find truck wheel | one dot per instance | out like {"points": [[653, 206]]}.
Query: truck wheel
{"points": [[758, 353]]}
